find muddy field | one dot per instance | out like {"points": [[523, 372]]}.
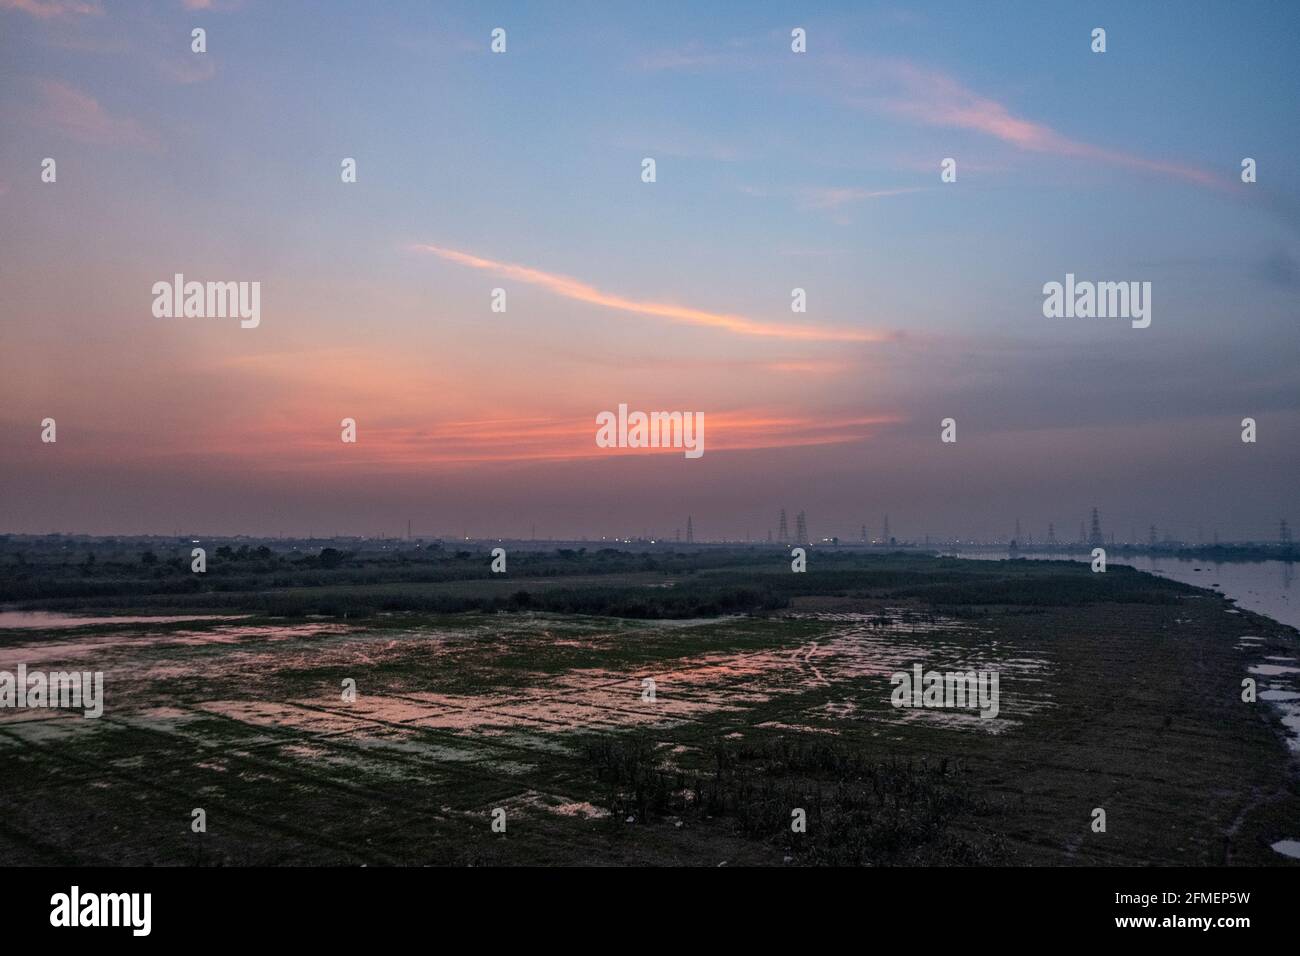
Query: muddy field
{"points": [[690, 741]]}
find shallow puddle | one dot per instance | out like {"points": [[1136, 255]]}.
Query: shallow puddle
{"points": [[53, 620]]}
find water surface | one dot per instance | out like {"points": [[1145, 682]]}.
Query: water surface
{"points": [[47, 620], [1265, 587]]}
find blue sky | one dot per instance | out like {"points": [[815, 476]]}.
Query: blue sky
{"points": [[775, 170]]}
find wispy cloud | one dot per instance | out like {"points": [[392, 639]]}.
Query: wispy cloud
{"points": [[934, 98], [685, 60], [734, 54], [579, 291], [827, 197], [835, 198], [299, 446], [81, 117], [215, 6], [834, 201], [54, 9], [194, 69]]}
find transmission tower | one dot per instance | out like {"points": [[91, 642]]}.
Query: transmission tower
{"points": [[1095, 538]]}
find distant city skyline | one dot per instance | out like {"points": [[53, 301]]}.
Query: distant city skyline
{"points": [[776, 171], [1026, 538]]}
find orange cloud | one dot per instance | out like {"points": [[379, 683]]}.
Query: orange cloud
{"points": [[278, 444], [577, 290]]}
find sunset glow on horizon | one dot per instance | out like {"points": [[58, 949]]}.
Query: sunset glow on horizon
{"points": [[776, 174]]}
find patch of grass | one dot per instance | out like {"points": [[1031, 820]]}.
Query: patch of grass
{"points": [[859, 809]]}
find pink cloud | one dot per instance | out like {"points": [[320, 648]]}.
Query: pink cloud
{"points": [[216, 6], [81, 117], [190, 70], [577, 290], [936, 99], [298, 445], [53, 9], [829, 197], [834, 198]]}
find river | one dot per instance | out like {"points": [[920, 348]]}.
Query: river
{"points": [[1265, 587]]}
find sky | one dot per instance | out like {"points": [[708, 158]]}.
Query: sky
{"points": [[774, 170]]}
